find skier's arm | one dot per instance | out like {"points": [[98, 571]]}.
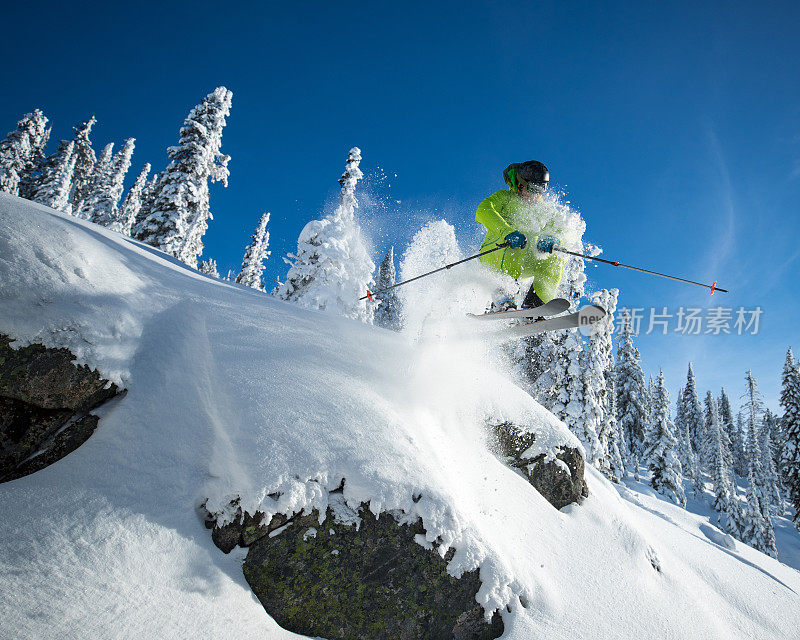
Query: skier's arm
{"points": [[489, 216]]}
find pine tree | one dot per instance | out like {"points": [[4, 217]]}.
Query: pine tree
{"points": [[694, 419], [757, 531], [596, 377], [753, 409], [147, 200], [632, 399], [569, 403], [769, 481], [56, 178], [790, 421], [661, 454], [387, 314], [254, 256], [106, 210], [740, 456], [617, 453], [21, 153], [179, 215], [720, 474], [686, 451], [132, 204], [681, 427], [31, 176], [728, 429], [332, 268], [548, 356], [99, 183], [84, 163], [209, 267]]}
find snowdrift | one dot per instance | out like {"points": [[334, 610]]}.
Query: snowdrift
{"points": [[234, 394]]}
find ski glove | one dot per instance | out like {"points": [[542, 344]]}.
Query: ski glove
{"points": [[545, 244], [516, 240]]}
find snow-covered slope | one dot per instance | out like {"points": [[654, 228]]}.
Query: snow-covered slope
{"points": [[233, 393]]}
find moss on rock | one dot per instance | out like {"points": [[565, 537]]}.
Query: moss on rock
{"points": [[559, 480], [340, 581]]}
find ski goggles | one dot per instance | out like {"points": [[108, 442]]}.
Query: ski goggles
{"points": [[534, 187]]}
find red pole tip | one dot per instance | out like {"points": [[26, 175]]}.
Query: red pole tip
{"points": [[713, 287], [369, 295]]}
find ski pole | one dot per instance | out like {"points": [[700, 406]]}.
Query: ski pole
{"points": [[614, 263], [370, 294]]}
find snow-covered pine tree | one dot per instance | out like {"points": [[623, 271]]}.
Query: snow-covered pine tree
{"points": [[85, 160], [132, 204], [753, 409], [661, 453], [741, 428], [686, 452], [255, 254], [631, 392], [770, 480], [695, 421], [332, 268], [569, 401], [680, 427], [548, 356], [29, 179], [21, 154], [790, 422], [56, 178], [180, 211], [106, 209], [588, 426], [209, 267], [99, 183], [617, 454], [757, 530], [147, 200], [387, 314], [596, 409], [720, 474], [728, 429]]}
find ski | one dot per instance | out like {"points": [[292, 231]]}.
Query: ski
{"points": [[584, 319], [555, 306]]}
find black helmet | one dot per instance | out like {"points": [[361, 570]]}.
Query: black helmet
{"points": [[531, 172]]}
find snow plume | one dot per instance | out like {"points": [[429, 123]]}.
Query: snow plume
{"points": [[553, 214], [446, 295]]}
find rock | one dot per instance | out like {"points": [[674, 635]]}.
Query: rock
{"points": [[560, 480], [45, 401], [244, 530], [348, 582]]}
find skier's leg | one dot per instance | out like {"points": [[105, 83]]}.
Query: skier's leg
{"points": [[505, 296], [532, 300]]}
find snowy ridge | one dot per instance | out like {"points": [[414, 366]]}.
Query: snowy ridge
{"points": [[232, 393]]}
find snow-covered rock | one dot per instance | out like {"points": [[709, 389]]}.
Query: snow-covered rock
{"points": [[45, 402]]}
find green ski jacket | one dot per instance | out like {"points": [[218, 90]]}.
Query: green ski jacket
{"points": [[504, 212]]}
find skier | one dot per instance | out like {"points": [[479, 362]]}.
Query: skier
{"points": [[510, 216]]}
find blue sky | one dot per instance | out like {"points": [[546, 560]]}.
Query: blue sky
{"points": [[673, 127]]}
